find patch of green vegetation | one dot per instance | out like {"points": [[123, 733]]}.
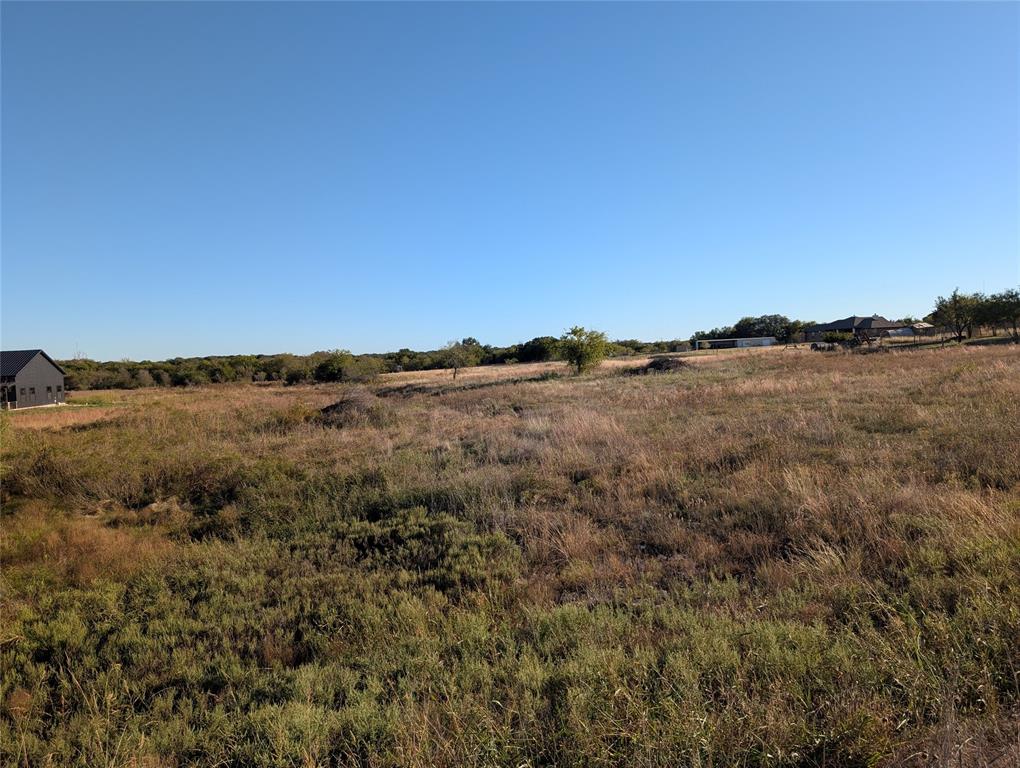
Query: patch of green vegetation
{"points": [[93, 401]]}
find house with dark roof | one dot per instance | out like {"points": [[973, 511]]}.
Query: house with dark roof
{"points": [[29, 377], [863, 328]]}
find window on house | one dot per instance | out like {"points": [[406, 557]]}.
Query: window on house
{"points": [[49, 390], [59, 388], [31, 390], [22, 390]]}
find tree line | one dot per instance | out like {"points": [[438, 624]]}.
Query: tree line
{"points": [[340, 364], [962, 313], [783, 328], [959, 313]]}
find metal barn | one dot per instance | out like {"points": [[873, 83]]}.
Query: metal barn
{"points": [[29, 377]]}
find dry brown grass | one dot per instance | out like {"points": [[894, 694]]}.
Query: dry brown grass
{"points": [[833, 445], [75, 549]]}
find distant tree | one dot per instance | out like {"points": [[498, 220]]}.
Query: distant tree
{"points": [[404, 360], [275, 366], [795, 331], [984, 313], [341, 365], [245, 367], [474, 351], [625, 347], [457, 355], [217, 370], [956, 313], [539, 350], [675, 345], [745, 328], [783, 328], [368, 367], [337, 366], [583, 349], [186, 375], [725, 332], [838, 337], [500, 355], [1008, 303], [764, 325], [997, 311]]}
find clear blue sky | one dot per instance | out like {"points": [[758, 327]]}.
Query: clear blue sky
{"points": [[196, 178]]}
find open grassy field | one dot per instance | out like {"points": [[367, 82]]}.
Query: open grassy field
{"points": [[764, 559]]}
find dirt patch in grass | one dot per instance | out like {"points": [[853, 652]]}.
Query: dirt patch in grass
{"points": [[661, 365], [409, 390], [357, 407]]}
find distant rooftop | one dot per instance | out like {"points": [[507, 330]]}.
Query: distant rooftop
{"points": [[855, 323]]}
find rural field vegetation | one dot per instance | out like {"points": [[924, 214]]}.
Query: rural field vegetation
{"points": [[775, 558]]}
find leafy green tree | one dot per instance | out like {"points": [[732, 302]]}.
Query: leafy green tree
{"points": [[985, 313], [457, 355], [338, 366], [296, 375], [765, 325], [1008, 303], [792, 330], [780, 326], [217, 371], [956, 313], [341, 365], [783, 328], [189, 375], [368, 367], [838, 337], [539, 350], [474, 351], [998, 311], [725, 332], [405, 360], [584, 349]]}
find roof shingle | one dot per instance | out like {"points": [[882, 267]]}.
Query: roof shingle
{"points": [[13, 360]]}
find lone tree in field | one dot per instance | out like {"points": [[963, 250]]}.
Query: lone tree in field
{"points": [[582, 348], [456, 355]]}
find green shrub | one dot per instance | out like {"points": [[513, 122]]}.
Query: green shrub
{"points": [[583, 349]]}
